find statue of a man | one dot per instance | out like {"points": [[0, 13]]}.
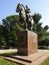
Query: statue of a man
{"points": [[27, 13], [28, 18]]}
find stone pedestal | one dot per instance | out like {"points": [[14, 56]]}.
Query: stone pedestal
{"points": [[27, 42]]}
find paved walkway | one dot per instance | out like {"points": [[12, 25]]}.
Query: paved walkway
{"points": [[7, 51]]}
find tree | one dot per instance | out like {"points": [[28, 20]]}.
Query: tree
{"points": [[10, 30], [46, 28], [42, 32], [11, 27], [36, 17], [2, 39]]}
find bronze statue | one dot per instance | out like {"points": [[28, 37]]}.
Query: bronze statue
{"points": [[29, 19], [24, 16]]}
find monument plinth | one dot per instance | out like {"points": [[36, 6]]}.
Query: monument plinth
{"points": [[27, 42]]}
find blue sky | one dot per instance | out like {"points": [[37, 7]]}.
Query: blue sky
{"points": [[7, 8]]}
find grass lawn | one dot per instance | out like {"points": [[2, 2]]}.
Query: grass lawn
{"points": [[6, 62], [46, 62]]}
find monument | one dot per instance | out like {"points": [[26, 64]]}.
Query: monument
{"points": [[27, 43]]}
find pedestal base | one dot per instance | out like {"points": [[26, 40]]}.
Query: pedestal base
{"points": [[27, 42]]}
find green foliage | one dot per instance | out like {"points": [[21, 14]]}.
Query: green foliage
{"points": [[36, 17], [6, 62], [43, 37], [10, 28], [46, 28], [46, 62], [2, 39]]}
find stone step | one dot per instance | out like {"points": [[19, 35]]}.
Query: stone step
{"points": [[21, 58], [34, 59], [30, 58], [41, 59], [16, 60]]}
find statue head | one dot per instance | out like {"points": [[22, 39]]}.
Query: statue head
{"points": [[27, 9], [19, 7]]}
